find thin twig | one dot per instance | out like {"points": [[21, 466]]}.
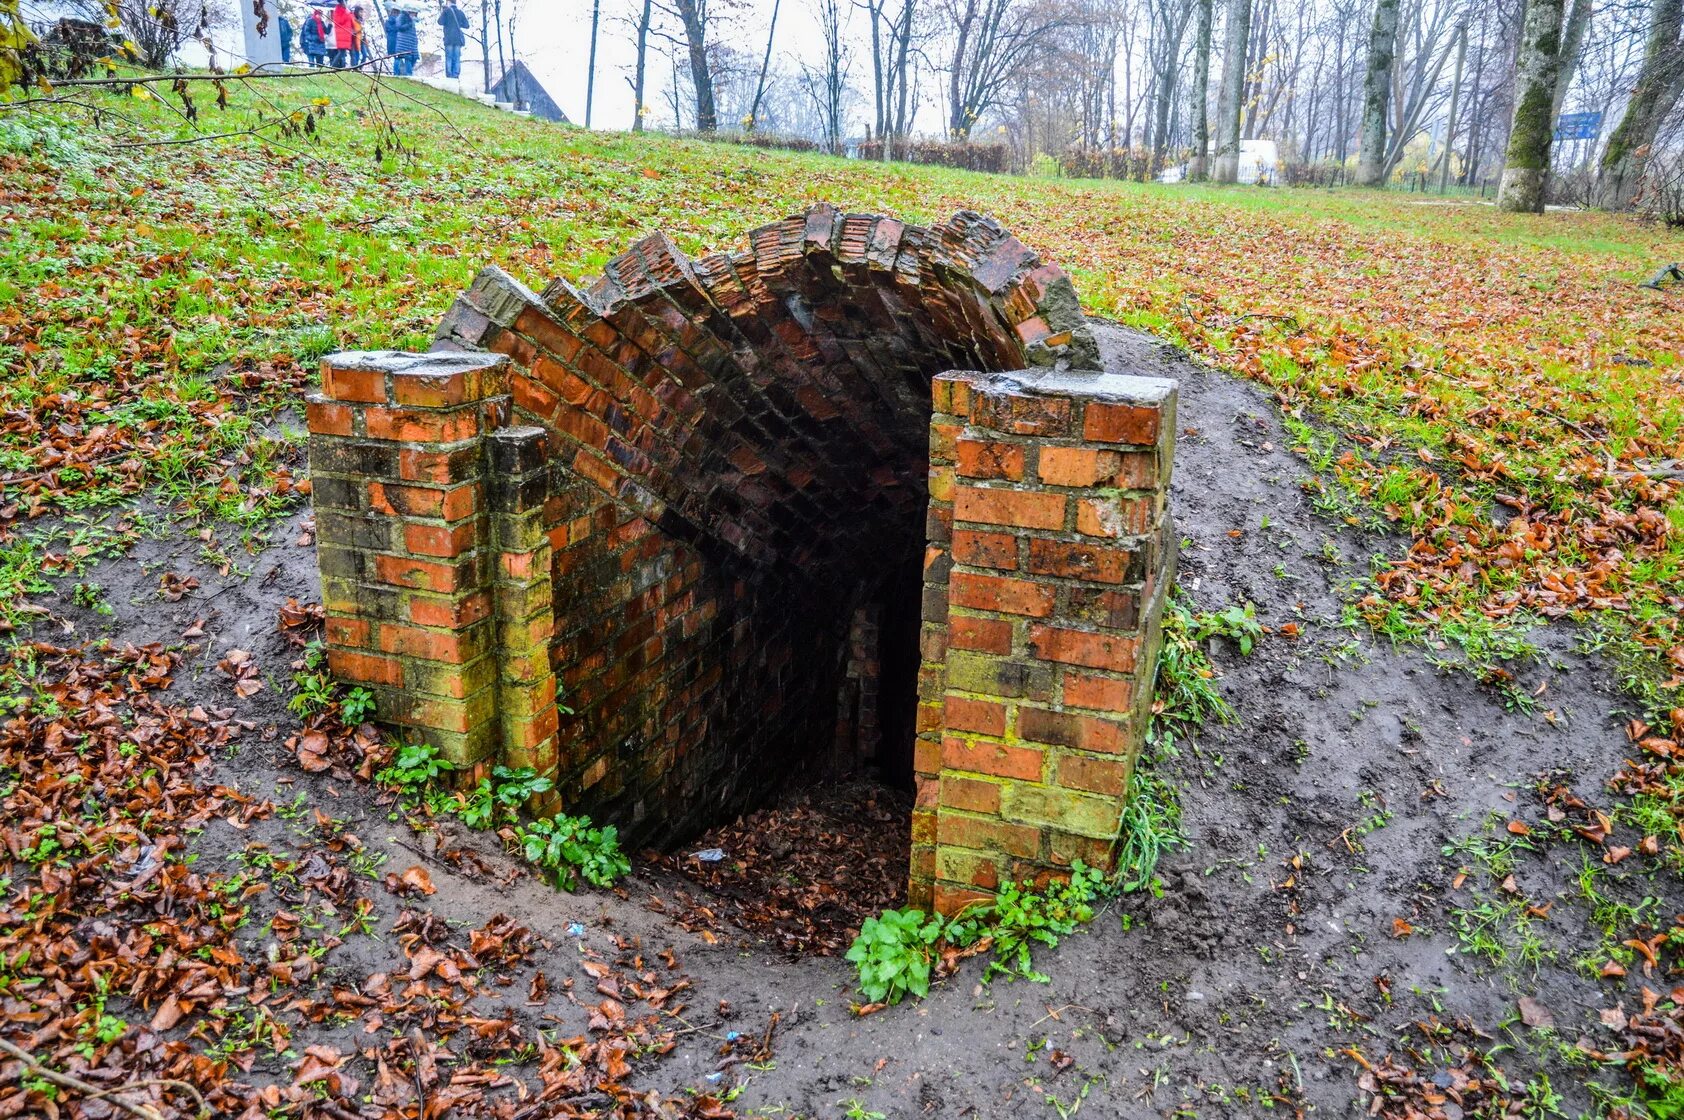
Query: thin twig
{"points": [[93, 1091]]}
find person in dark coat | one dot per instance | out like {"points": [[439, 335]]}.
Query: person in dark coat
{"points": [[409, 43], [286, 41], [391, 26], [455, 23], [312, 38], [344, 34]]}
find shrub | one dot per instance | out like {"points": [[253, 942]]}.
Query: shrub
{"points": [[1132, 164], [964, 155], [567, 849]]}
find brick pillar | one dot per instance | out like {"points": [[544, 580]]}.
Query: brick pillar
{"points": [[523, 600], [398, 467], [1051, 553]]}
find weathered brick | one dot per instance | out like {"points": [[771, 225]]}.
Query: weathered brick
{"points": [[985, 635], [1082, 560], [985, 717], [999, 759], [990, 459], [1104, 422], [1024, 509], [1086, 648], [988, 834], [1003, 594], [985, 550]]}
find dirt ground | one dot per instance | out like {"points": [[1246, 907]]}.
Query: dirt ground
{"points": [[1309, 925]]}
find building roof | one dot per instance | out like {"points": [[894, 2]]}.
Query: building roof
{"points": [[520, 85]]}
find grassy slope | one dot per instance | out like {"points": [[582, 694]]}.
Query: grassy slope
{"points": [[1517, 350]]}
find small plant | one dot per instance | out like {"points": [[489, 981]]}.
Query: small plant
{"points": [[497, 799], [91, 596], [894, 953], [1020, 918], [414, 768], [567, 849], [356, 706], [1236, 623]]}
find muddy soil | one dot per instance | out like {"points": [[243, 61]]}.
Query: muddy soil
{"points": [[1321, 824]]}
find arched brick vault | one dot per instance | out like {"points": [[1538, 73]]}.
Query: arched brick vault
{"points": [[703, 502]]}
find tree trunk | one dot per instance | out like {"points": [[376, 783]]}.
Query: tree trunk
{"points": [[590, 77], [642, 58], [753, 121], [1376, 94], [1196, 166], [1658, 86], [694, 15], [1528, 163], [1572, 47], [1455, 109], [1236, 41]]}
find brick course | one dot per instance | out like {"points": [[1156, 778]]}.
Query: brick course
{"points": [[647, 536]]}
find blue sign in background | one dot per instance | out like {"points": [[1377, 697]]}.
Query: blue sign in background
{"points": [[1578, 126]]}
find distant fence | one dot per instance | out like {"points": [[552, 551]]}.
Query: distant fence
{"points": [[1136, 165]]}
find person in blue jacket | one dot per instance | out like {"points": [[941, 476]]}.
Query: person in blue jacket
{"points": [[454, 23], [312, 38], [408, 43], [286, 41], [391, 25]]}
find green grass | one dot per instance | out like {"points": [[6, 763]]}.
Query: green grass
{"points": [[1460, 356]]}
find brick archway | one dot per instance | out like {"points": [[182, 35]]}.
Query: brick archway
{"points": [[704, 501]]}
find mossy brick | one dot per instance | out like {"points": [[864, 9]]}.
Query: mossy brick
{"points": [[1107, 776], [962, 865], [988, 834], [354, 458], [1065, 848], [339, 493], [984, 674], [355, 530], [517, 532], [456, 573], [1042, 806], [948, 899], [349, 564], [439, 465], [456, 647], [448, 679]]}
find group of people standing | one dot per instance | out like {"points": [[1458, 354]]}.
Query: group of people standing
{"points": [[339, 38]]}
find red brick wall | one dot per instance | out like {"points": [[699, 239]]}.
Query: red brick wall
{"points": [[1050, 554], [689, 543]]}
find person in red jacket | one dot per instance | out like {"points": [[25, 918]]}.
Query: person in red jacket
{"points": [[344, 33]]}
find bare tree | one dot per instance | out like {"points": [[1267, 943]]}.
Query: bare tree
{"points": [[640, 69], [693, 17], [992, 41], [826, 83], [752, 120], [1236, 43], [1377, 91]]}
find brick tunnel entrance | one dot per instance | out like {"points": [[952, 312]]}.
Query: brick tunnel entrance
{"points": [[709, 523]]}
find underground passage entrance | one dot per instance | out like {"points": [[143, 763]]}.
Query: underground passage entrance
{"points": [[853, 499]]}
